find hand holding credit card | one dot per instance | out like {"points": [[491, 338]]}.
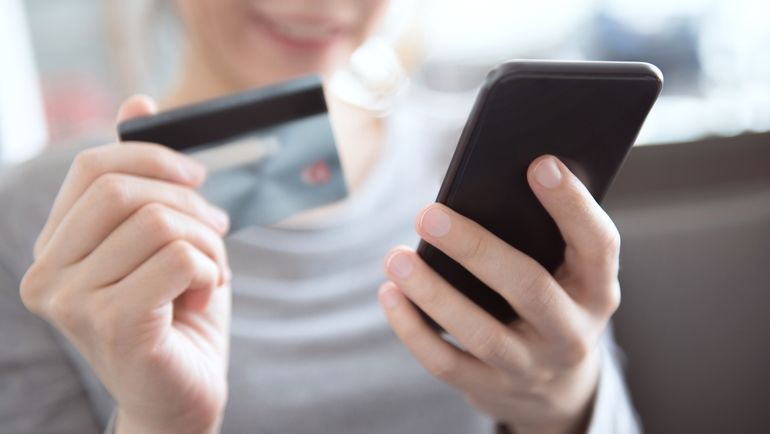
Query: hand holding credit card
{"points": [[270, 152]]}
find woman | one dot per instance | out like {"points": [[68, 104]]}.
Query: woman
{"points": [[131, 270]]}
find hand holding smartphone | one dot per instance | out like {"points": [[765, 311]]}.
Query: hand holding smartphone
{"points": [[588, 114]]}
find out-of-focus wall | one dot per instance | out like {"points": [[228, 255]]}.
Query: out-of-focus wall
{"points": [[693, 269], [23, 130], [712, 53], [77, 79]]}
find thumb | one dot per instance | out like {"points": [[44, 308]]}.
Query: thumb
{"points": [[135, 107]]}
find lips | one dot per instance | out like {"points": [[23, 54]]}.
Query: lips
{"points": [[311, 32], [304, 32]]}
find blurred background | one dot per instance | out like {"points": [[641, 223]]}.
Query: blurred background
{"points": [[694, 211], [714, 54]]}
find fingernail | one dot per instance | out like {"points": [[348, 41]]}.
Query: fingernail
{"points": [[547, 173], [220, 217], [400, 264], [435, 222], [388, 296]]}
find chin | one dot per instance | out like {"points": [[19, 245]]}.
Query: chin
{"points": [[282, 48], [282, 67]]}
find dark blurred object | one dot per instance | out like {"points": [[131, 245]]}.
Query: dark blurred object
{"points": [[674, 49], [694, 322]]}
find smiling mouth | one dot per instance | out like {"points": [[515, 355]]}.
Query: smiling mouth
{"points": [[303, 31], [300, 32]]}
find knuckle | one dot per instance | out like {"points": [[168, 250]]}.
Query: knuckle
{"points": [[191, 200], [536, 280], [610, 242], [576, 350], [606, 246], [182, 257], [65, 313], [157, 221], [538, 290], [199, 205], [611, 300], [487, 346], [112, 189], [162, 161], [57, 310], [157, 159], [427, 295], [86, 162], [220, 250], [31, 289], [410, 333], [475, 248]]}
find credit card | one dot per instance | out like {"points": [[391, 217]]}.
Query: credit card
{"points": [[270, 152]]}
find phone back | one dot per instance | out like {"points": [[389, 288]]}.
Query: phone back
{"points": [[588, 114]]}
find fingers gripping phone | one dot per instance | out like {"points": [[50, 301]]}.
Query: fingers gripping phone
{"points": [[588, 114]]}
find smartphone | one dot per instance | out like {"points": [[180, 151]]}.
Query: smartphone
{"points": [[588, 114]]}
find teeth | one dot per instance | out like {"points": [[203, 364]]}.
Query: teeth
{"points": [[304, 32]]}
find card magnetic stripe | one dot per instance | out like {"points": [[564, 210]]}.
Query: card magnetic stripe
{"points": [[229, 116]]}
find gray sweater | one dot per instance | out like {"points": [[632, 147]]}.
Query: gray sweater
{"points": [[311, 351]]}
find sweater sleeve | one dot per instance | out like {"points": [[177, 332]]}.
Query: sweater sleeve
{"points": [[111, 424], [41, 390], [613, 411]]}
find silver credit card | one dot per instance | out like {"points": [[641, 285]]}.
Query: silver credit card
{"points": [[270, 152]]}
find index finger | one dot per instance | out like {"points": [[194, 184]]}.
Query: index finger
{"points": [[592, 240], [519, 279], [138, 159]]}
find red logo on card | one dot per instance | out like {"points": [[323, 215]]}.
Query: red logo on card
{"points": [[317, 173]]}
